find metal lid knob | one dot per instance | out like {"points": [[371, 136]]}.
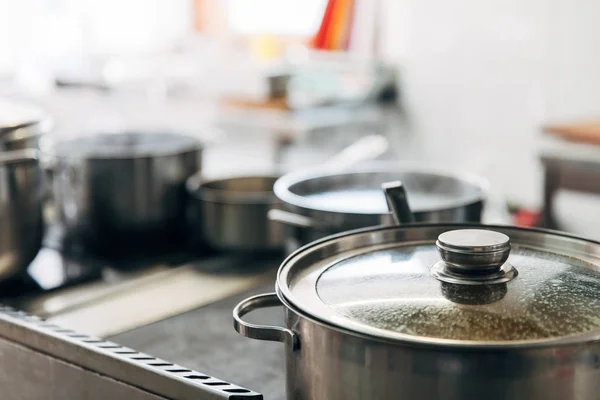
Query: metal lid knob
{"points": [[473, 251], [474, 255]]}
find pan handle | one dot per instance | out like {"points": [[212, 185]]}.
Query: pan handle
{"points": [[398, 202], [262, 332], [366, 148], [292, 219]]}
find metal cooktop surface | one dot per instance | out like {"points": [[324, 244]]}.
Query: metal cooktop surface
{"points": [[85, 299], [204, 339], [105, 296]]}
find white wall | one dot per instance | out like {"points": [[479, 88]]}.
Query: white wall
{"points": [[33, 30], [39, 37], [574, 56], [481, 76], [134, 26]]}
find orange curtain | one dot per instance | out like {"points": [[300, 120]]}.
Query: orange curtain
{"points": [[336, 25]]}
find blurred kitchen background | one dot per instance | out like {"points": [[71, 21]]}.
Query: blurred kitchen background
{"points": [[472, 83], [476, 82]]}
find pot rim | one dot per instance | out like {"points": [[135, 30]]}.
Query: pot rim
{"points": [[22, 156], [39, 117], [198, 188], [381, 335], [195, 144], [282, 185]]}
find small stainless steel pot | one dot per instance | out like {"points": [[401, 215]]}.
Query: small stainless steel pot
{"points": [[21, 125], [21, 196], [122, 189], [437, 311], [230, 214], [321, 202]]}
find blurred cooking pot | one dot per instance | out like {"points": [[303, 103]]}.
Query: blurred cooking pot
{"points": [[21, 196], [21, 125], [121, 189], [321, 202], [438, 311], [230, 214]]}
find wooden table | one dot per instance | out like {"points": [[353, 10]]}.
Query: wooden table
{"points": [[571, 160]]}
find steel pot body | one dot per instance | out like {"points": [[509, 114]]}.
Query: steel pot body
{"points": [[329, 364], [306, 195], [126, 199], [326, 360], [230, 214], [21, 225]]}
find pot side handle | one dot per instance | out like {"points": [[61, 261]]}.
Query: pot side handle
{"points": [[262, 332], [290, 218], [295, 220]]}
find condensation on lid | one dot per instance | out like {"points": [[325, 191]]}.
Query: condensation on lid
{"points": [[394, 291]]}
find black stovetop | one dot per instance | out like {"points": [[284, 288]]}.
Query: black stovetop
{"points": [[64, 262]]}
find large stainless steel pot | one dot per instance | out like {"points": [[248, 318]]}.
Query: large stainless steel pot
{"points": [[21, 125], [117, 190], [438, 311], [322, 202], [21, 195]]}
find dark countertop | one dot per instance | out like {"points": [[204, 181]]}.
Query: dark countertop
{"points": [[204, 340]]}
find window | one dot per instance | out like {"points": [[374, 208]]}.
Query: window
{"points": [[277, 17]]}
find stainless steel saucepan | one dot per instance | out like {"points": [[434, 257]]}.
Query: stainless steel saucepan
{"points": [[437, 311], [230, 213], [317, 203]]}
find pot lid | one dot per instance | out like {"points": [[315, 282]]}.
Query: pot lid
{"points": [[358, 190], [17, 114], [450, 284], [124, 145]]}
